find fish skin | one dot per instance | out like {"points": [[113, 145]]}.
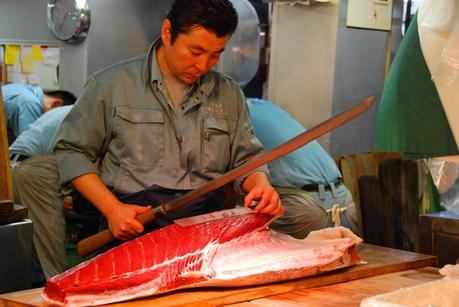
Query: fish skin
{"points": [[277, 257]]}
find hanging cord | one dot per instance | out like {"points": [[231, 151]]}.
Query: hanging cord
{"points": [[335, 213], [335, 210]]}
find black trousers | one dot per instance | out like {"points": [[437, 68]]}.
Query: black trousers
{"points": [[154, 196]]}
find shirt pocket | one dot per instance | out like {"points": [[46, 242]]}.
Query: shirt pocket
{"points": [[140, 136], [215, 145]]}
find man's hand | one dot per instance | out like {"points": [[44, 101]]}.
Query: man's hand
{"points": [[120, 217], [122, 220], [259, 188]]}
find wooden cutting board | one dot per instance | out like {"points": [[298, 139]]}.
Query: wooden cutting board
{"points": [[351, 293], [380, 260]]}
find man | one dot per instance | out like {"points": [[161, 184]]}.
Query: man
{"points": [[308, 181], [25, 103], [38, 140], [159, 125], [40, 137]]}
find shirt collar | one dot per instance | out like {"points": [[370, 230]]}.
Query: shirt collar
{"points": [[207, 83], [151, 72]]}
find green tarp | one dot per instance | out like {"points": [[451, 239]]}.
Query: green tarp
{"points": [[411, 118]]}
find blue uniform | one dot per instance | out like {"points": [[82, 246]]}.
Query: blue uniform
{"points": [[308, 180], [23, 105], [309, 164], [41, 136]]}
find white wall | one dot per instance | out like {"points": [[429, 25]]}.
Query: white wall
{"points": [[302, 61], [319, 67], [24, 20], [360, 71], [119, 29]]}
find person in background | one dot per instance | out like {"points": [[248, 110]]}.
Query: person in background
{"points": [[40, 137], [307, 180], [25, 103], [158, 125], [37, 141]]}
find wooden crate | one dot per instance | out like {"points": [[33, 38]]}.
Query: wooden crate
{"points": [[439, 236], [354, 166]]}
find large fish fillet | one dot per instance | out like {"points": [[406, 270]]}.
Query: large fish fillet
{"points": [[233, 251]]}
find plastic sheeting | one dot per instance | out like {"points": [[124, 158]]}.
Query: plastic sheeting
{"points": [[446, 177], [444, 292], [439, 36]]}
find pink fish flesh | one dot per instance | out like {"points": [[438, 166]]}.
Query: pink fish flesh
{"points": [[224, 252]]}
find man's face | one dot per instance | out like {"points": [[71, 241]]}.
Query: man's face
{"points": [[192, 54]]}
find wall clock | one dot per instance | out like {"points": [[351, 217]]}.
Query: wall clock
{"points": [[69, 19]]}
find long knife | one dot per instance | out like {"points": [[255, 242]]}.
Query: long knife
{"points": [[94, 242]]}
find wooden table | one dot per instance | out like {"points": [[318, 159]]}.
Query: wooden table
{"points": [[380, 261], [349, 293]]}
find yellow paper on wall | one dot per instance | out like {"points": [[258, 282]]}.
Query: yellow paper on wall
{"points": [[27, 66], [37, 55], [11, 54]]}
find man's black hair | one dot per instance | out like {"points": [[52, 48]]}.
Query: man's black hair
{"points": [[67, 97], [218, 16]]}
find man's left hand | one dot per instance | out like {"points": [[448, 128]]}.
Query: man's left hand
{"points": [[259, 189]]}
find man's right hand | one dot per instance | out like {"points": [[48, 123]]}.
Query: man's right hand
{"points": [[122, 220], [120, 217]]}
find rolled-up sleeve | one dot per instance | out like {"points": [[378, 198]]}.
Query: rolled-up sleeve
{"points": [[245, 145], [84, 133]]}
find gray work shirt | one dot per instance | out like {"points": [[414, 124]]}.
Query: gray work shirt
{"points": [[124, 121]]}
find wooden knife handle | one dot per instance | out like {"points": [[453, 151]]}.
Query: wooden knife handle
{"points": [[94, 242]]}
